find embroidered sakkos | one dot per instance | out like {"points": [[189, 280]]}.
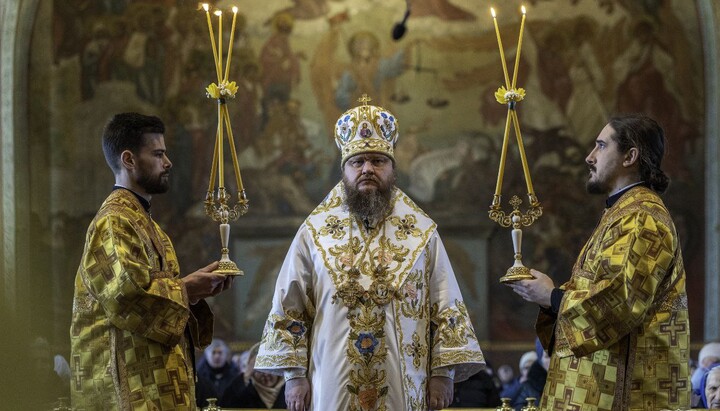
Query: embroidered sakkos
{"points": [[368, 314], [130, 313], [621, 339]]}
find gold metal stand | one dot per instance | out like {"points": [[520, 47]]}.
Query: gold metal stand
{"points": [[510, 95], [217, 206]]}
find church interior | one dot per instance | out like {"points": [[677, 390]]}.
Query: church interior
{"points": [[68, 65]]}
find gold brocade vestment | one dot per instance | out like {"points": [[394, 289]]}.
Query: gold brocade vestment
{"points": [[131, 316], [622, 334], [368, 315]]}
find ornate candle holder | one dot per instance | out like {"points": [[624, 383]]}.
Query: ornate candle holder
{"points": [[212, 405], [510, 96], [217, 204], [530, 404], [505, 406]]}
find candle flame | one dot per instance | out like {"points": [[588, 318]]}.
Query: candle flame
{"points": [[206, 6], [522, 9], [218, 12], [235, 9], [492, 11]]}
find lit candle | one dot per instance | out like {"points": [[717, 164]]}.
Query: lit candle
{"points": [[502, 53], [517, 55], [230, 47], [206, 7], [220, 44]]}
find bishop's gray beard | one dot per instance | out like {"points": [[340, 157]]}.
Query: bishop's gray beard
{"points": [[370, 206]]}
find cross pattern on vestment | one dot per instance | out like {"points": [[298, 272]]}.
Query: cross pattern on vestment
{"points": [[673, 329], [637, 291], [144, 365], [555, 375], [673, 384], [588, 383], [174, 387], [564, 404], [78, 372], [103, 263]]}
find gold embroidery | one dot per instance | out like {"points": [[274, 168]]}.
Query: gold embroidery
{"points": [[405, 227], [416, 350], [334, 226], [383, 264], [366, 348], [289, 330], [413, 303], [332, 201], [451, 325]]}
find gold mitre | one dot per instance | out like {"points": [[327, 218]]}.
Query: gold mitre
{"points": [[366, 129]]}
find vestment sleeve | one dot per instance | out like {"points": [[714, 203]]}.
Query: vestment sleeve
{"points": [[285, 340], [118, 272], [453, 338], [627, 264]]}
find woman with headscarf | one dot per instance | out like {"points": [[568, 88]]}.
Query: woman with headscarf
{"points": [[710, 388], [254, 388]]}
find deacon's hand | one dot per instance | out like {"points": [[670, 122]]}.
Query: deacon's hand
{"points": [[297, 394], [204, 283], [537, 290], [440, 392]]}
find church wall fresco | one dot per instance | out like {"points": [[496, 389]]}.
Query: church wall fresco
{"points": [[301, 63]]}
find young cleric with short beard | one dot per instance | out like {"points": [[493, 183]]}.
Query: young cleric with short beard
{"points": [[367, 313]]}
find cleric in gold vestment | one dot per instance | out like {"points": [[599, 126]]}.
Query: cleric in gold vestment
{"points": [[618, 330], [135, 321]]}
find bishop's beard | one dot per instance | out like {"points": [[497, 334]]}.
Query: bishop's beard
{"points": [[372, 205]]}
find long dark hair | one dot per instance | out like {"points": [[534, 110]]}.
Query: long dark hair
{"points": [[645, 134]]}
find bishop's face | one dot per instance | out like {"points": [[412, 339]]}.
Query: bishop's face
{"points": [[368, 182], [152, 173], [605, 162], [369, 173]]}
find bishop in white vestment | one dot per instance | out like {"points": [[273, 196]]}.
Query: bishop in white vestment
{"points": [[367, 313]]}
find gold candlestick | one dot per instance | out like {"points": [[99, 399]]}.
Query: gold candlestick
{"points": [[510, 97], [217, 203]]}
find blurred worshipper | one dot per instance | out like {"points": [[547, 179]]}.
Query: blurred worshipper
{"points": [[240, 359], [535, 377], [709, 354], [215, 372], [490, 370], [49, 386], [620, 323], [367, 313], [514, 388], [135, 321], [255, 389], [477, 391], [62, 368], [506, 375], [710, 388]]}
